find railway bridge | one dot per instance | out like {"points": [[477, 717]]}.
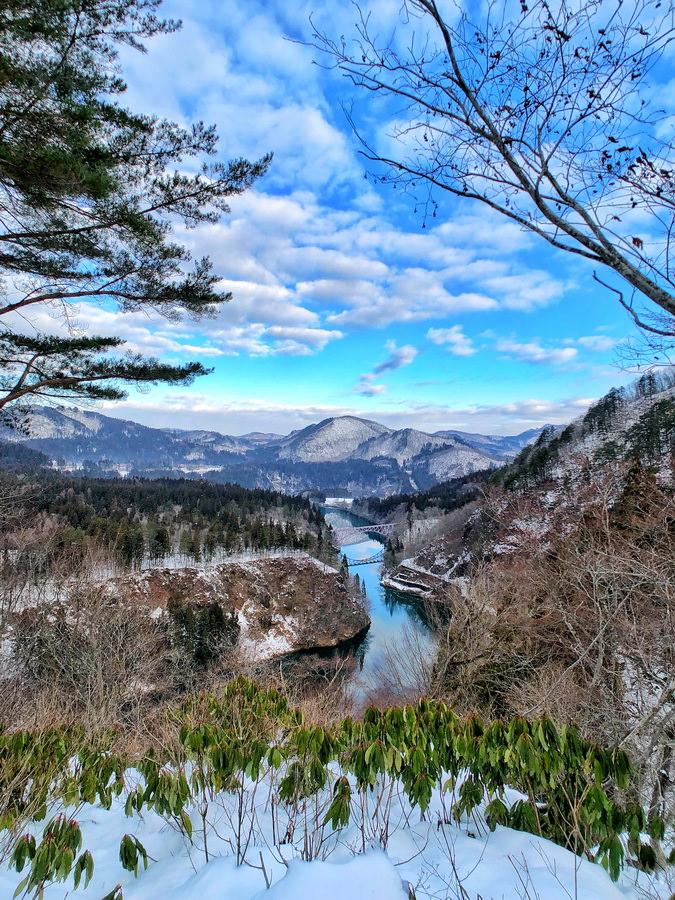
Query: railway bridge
{"points": [[375, 558], [353, 533]]}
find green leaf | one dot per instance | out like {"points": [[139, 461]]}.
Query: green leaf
{"points": [[656, 828], [647, 857], [22, 886], [186, 823], [115, 894], [84, 866], [496, 813]]}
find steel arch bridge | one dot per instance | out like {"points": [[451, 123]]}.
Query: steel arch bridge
{"points": [[355, 533], [378, 557]]}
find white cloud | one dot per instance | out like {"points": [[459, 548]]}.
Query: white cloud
{"points": [[265, 304], [222, 413], [366, 386], [305, 263], [315, 337], [229, 334], [234, 67], [533, 352], [361, 270], [454, 339], [533, 407], [526, 290], [300, 341], [246, 339], [489, 231], [598, 343], [398, 357], [143, 331], [412, 300], [313, 245], [236, 416]]}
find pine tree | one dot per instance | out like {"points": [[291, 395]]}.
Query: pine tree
{"points": [[88, 193], [159, 542]]}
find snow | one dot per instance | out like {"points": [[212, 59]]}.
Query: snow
{"points": [[459, 461], [404, 587], [400, 445], [331, 440], [276, 641], [371, 876], [390, 855]]}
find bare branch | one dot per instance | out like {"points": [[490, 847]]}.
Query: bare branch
{"points": [[546, 118]]}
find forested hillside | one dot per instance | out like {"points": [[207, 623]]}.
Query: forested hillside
{"points": [[635, 424], [550, 589], [555, 588], [138, 519]]}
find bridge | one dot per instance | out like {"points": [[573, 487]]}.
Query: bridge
{"points": [[354, 533], [378, 557]]}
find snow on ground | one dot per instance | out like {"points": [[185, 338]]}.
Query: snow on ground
{"points": [[219, 557], [425, 858], [278, 639]]}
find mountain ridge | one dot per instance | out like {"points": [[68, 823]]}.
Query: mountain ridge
{"points": [[357, 455]]}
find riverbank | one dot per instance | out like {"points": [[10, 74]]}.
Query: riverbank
{"points": [[399, 643]]}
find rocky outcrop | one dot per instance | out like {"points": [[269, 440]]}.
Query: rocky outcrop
{"points": [[410, 579], [443, 561], [278, 605]]}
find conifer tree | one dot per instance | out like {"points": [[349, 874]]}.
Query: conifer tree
{"points": [[88, 193]]}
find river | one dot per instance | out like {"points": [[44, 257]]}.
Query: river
{"points": [[398, 646]]}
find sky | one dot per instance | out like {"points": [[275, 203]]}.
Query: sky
{"points": [[347, 299]]}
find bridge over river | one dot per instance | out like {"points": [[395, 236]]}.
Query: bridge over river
{"points": [[355, 533], [397, 624], [366, 561]]}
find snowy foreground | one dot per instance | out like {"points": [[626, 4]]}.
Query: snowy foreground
{"points": [[423, 858]]}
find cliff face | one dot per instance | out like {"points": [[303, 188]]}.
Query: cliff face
{"points": [[278, 605]]}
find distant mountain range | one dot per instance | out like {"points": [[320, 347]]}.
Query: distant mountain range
{"points": [[344, 454]]}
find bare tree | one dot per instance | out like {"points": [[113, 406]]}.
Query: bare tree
{"points": [[574, 616], [545, 114]]}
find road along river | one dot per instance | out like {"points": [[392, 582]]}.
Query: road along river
{"points": [[398, 646]]}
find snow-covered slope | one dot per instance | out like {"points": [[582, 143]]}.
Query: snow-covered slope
{"points": [[403, 446], [212, 440], [427, 857], [456, 461], [346, 452], [46, 422], [498, 446], [331, 440]]}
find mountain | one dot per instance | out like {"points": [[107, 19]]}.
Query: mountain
{"points": [[343, 454], [332, 440], [403, 446], [555, 583], [497, 445], [628, 425]]}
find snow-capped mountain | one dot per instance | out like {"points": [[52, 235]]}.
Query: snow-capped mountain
{"points": [[403, 446], [498, 445], [355, 455], [332, 440], [452, 462]]}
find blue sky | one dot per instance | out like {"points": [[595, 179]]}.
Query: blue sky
{"points": [[343, 303]]}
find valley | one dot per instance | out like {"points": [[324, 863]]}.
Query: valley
{"points": [[346, 454], [529, 599]]}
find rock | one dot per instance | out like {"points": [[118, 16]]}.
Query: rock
{"points": [[281, 605]]}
